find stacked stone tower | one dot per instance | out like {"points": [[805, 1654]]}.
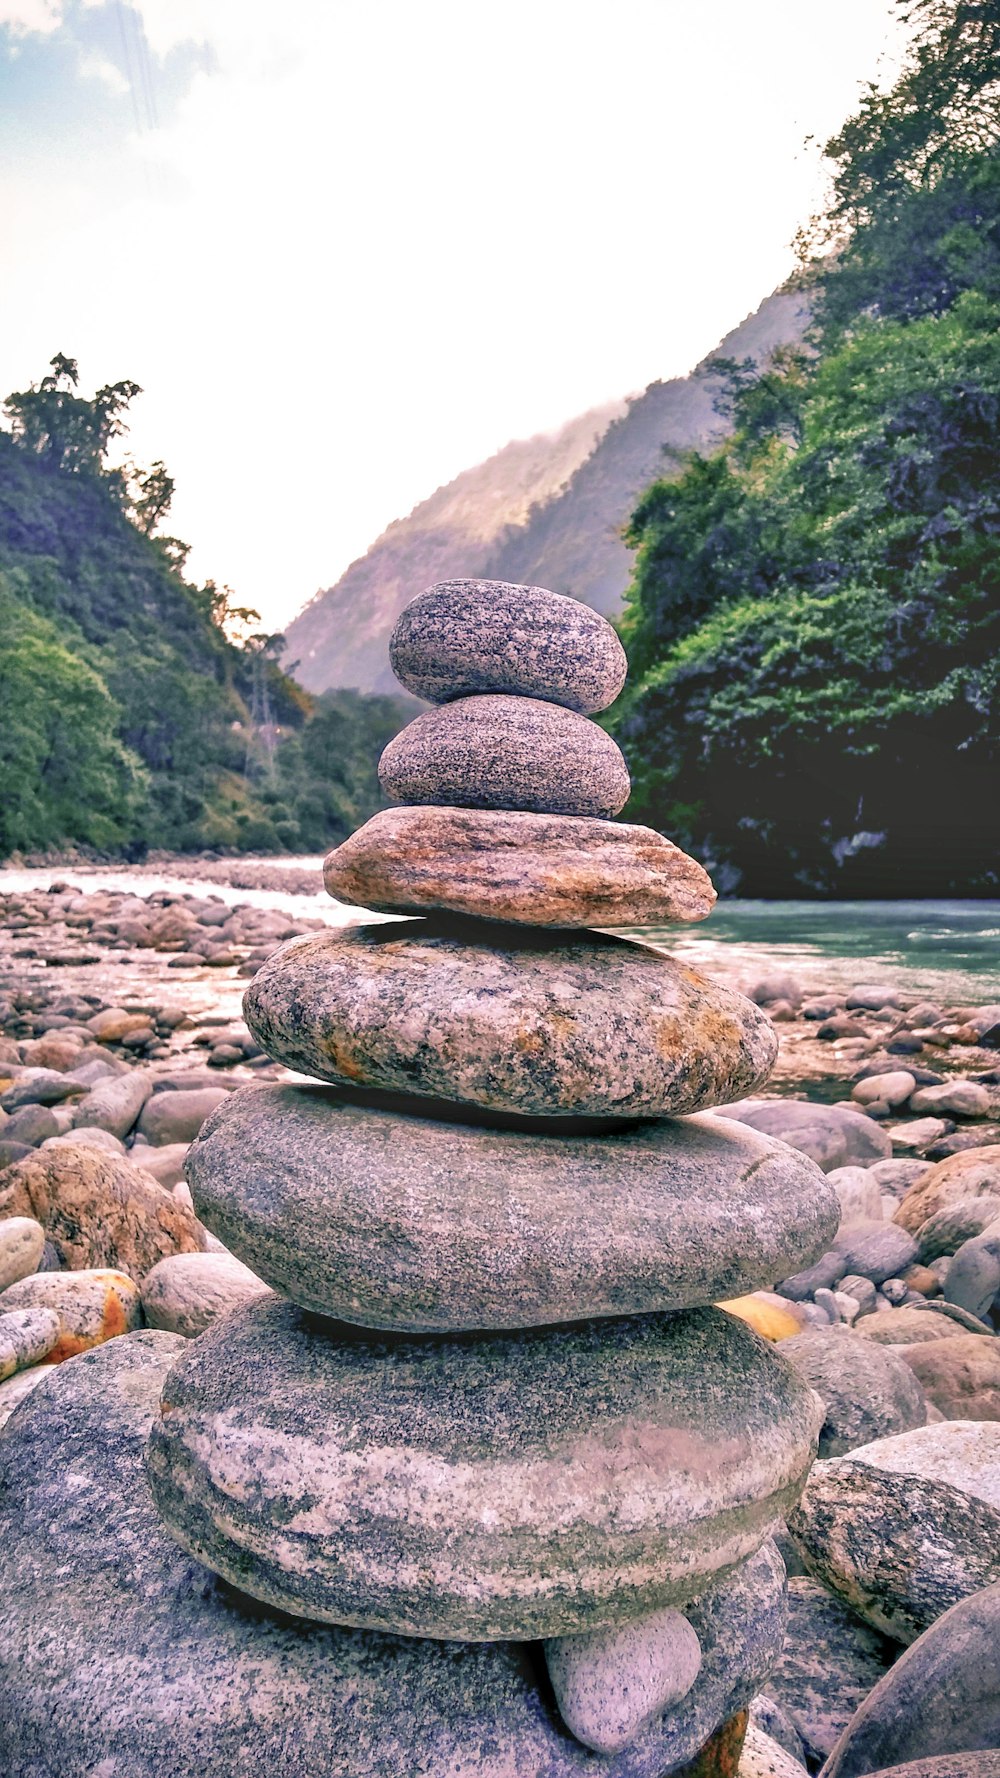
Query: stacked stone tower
{"points": [[491, 1405]]}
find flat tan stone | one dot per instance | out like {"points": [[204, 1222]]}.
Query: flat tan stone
{"points": [[509, 1019], [539, 870]]}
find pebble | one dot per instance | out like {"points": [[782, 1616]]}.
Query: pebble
{"points": [[249, 1691], [859, 1195], [38, 1086], [26, 1337], [98, 1210], [538, 1024], [533, 1484], [961, 1376], [173, 1117], [114, 1105], [188, 1292], [906, 1526], [22, 1241], [868, 1391], [91, 1306], [831, 1137], [467, 636], [31, 1125], [763, 1757], [892, 1089], [919, 1134], [871, 998], [973, 1281], [946, 1230], [609, 1685], [769, 989], [958, 1098], [543, 870], [876, 1250], [861, 1290], [16, 1388], [973, 1174], [90, 1137], [384, 1216], [506, 753]]}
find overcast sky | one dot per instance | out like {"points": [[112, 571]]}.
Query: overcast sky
{"points": [[350, 247]]}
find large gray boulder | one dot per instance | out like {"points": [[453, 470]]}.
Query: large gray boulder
{"points": [[509, 1019], [379, 1215], [161, 1671], [830, 1135], [98, 1209], [506, 753], [466, 636], [535, 1484], [829, 1663], [941, 1699], [869, 1392], [500, 864], [903, 1528]]}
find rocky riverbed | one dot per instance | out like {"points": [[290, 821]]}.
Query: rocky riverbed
{"points": [[121, 1034]]}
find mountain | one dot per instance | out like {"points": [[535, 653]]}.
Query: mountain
{"points": [[548, 510], [341, 637]]}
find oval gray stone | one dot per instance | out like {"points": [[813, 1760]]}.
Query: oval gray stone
{"points": [[379, 1214], [611, 1684], [506, 753], [539, 1024], [217, 1687], [544, 870], [869, 1391], [467, 636], [22, 1243], [482, 1487], [187, 1292]]}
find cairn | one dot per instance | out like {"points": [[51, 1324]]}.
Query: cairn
{"points": [[492, 1403]]}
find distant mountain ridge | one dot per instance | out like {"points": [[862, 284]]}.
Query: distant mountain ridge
{"points": [[547, 510], [341, 637]]}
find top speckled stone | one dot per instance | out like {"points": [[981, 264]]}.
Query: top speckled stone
{"points": [[467, 636]]}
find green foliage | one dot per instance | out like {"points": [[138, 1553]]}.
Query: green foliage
{"points": [[135, 720], [814, 619], [66, 775]]}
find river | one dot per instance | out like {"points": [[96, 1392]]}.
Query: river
{"points": [[947, 951]]}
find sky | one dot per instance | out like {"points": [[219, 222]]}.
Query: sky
{"points": [[349, 248]]}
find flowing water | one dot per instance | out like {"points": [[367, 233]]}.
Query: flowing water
{"points": [[947, 951]]}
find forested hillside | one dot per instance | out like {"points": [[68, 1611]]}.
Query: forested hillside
{"points": [[130, 719], [814, 618]]}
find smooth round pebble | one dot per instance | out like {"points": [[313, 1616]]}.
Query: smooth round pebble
{"points": [[465, 636], [611, 1684], [506, 753], [22, 1243]]}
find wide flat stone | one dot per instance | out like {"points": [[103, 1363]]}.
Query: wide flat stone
{"points": [[465, 636], [216, 1687], [541, 1024], [531, 1485], [372, 1212], [506, 753], [904, 1527], [544, 870]]}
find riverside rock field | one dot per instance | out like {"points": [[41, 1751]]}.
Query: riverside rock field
{"points": [[460, 1441]]}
